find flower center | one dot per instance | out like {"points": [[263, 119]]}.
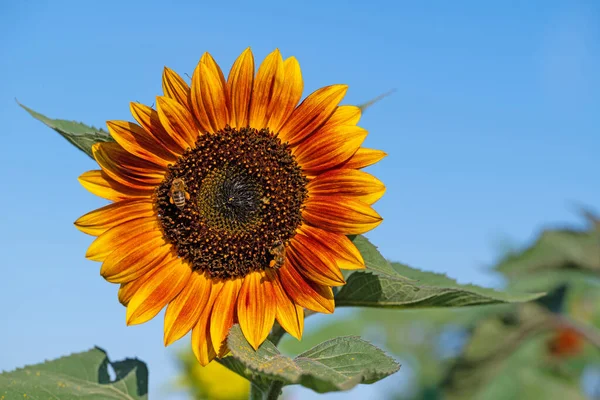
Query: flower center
{"points": [[230, 200]]}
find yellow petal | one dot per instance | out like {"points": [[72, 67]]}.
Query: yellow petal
{"points": [[256, 307], [100, 184], [221, 319], [348, 183], [134, 139], [267, 87], [201, 342], [340, 215], [184, 311], [289, 315], [314, 261], [288, 96], [99, 221], [157, 291], [131, 261], [240, 82], [304, 292], [128, 232], [176, 88], [149, 120], [344, 252], [177, 120], [313, 112], [363, 158]]}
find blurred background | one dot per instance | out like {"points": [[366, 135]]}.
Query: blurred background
{"points": [[492, 136]]}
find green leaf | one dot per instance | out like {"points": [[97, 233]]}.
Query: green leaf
{"points": [[374, 261], [334, 365], [77, 376], [556, 250], [364, 289], [80, 135]]}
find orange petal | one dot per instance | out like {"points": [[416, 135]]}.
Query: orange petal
{"points": [[201, 342], [340, 215], [134, 259], [256, 307], [240, 82], [313, 260], [344, 252], [149, 120], [304, 292], [145, 227], [348, 183], [363, 158], [134, 139], [314, 111], [176, 88], [128, 289], [100, 184], [223, 311], [157, 291], [177, 120], [267, 87], [328, 148], [282, 107], [184, 311], [99, 221], [125, 168], [289, 315]]}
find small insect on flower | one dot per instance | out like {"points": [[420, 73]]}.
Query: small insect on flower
{"points": [[178, 194], [278, 253]]}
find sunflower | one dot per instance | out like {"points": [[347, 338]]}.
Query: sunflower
{"points": [[231, 202]]}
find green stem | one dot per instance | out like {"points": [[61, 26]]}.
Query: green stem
{"points": [[256, 393], [274, 390]]}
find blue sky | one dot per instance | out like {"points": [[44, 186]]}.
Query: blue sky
{"points": [[491, 134]]}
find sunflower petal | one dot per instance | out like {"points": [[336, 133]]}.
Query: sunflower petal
{"points": [[132, 261], [267, 87], [222, 315], [340, 215], [240, 82], [348, 183], [144, 227], [312, 113], [126, 168], [157, 291], [184, 311], [364, 157], [313, 261], [99, 183], [202, 344], [289, 315], [304, 292], [149, 120], [344, 115], [282, 107], [134, 139], [214, 97], [256, 308], [176, 88], [99, 221], [128, 289], [344, 252], [177, 120], [328, 148]]}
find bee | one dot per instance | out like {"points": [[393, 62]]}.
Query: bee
{"points": [[278, 253], [178, 194]]}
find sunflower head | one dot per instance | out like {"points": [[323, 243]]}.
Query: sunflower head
{"points": [[231, 202]]}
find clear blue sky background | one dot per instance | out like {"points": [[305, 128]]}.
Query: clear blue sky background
{"points": [[492, 134]]}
